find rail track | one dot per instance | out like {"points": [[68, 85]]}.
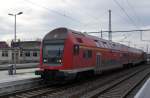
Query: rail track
{"points": [[96, 88], [121, 87], [115, 85], [7, 88]]}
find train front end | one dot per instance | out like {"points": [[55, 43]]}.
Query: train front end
{"points": [[55, 55]]}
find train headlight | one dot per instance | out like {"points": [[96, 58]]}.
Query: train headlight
{"points": [[59, 61], [45, 60]]}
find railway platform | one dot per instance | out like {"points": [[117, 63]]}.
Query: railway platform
{"points": [[23, 79], [19, 66], [144, 90], [20, 75]]}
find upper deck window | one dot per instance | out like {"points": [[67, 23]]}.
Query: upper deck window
{"points": [[60, 33], [109, 45], [113, 45], [101, 44], [105, 45], [79, 40], [97, 43]]}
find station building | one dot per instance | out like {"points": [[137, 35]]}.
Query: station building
{"points": [[5, 53], [26, 52], [29, 51]]}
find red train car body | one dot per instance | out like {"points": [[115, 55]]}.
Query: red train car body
{"points": [[65, 53]]}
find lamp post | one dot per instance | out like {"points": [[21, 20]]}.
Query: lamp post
{"points": [[15, 38]]}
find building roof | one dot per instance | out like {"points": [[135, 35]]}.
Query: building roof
{"points": [[29, 44], [3, 44]]}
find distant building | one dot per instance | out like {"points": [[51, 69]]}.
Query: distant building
{"points": [[29, 51], [26, 51], [5, 53]]}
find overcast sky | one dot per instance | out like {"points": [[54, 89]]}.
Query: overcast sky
{"points": [[41, 16]]}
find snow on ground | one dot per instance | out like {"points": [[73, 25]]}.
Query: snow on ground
{"points": [[20, 75]]}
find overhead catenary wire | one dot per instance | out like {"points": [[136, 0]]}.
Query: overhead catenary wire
{"points": [[62, 14], [123, 31], [73, 19], [135, 13], [131, 20], [138, 18], [54, 11]]}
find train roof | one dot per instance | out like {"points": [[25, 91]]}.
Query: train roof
{"points": [[54, 34]]}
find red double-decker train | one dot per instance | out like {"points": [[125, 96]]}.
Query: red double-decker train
{"points": [[67, 53]]}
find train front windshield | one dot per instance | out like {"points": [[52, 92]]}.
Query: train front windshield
{"points": [[52, 54]]}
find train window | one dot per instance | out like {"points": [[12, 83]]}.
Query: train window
{"points": [[101, 44], [105, 44], [76, 49], [108, 45], [53, 53], [113, 45], [87, 54], [124, 54], [97, 44], [79, 40]]}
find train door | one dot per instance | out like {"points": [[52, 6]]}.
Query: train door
{"points": [[76, 55], [98, 63]]}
